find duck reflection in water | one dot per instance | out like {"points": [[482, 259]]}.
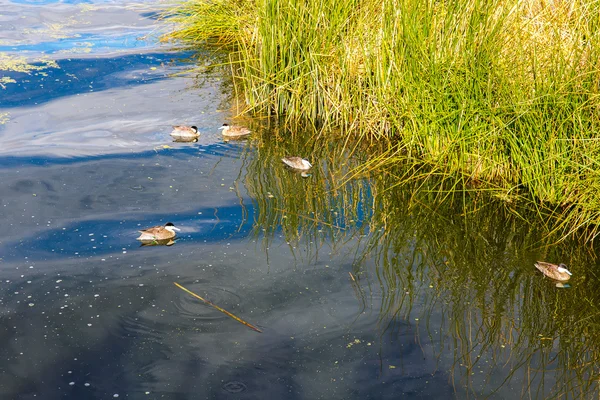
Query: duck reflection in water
{"points": [[186, 140], [166, 242]]}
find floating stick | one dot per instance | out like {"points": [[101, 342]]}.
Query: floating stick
{"points": [[219, 308]]}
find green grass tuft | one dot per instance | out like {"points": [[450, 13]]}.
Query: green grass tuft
{"points": [[501, 93]]}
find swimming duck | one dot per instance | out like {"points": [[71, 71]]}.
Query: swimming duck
{"points": [[158, 233], [557, 272], [182, 132], [297, 163], [229, 130]]}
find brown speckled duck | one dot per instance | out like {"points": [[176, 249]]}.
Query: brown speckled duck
{"points": [[297, 163], [158, 233], [185, 133], [557, 272], [234, 131]]}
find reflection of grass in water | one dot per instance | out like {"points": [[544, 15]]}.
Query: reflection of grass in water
{"points": [[456, 261], [311, 210], [563, 326], [500, 317]]}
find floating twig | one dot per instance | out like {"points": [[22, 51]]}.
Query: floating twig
{"points": [[219, 308]]}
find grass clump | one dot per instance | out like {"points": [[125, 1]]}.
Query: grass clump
{"points": [[503, 93]]}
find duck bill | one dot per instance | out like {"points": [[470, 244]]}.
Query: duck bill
{"points": [[175, 229]]}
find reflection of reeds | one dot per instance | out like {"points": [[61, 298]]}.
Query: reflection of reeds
{"points": [[501, 316], [309, 210], [496, 305], [456, 260]]}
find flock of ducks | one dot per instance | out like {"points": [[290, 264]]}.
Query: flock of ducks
{"points": [[183, 133], [165, 234], [159, 235]]}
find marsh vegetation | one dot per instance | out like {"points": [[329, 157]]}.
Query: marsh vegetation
{"points": [[454, 144], [499, 93]]}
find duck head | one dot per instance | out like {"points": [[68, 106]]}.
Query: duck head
{"points": [[563, 268], [170, 227]]}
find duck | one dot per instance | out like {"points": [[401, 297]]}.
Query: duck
{"points": [[234, 131], [158, 233], [297, 163], [557, 272], [182, 132]]}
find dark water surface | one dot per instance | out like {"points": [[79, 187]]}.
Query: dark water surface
{"points": [[362, 292]]}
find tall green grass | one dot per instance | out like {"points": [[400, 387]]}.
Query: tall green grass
{"points": [[501, 93]]}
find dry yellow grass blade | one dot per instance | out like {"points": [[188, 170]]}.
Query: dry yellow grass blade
{"points": [[219, 308]]}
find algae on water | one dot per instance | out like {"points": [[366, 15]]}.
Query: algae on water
{"points": [[20, 64], [3, 81]]}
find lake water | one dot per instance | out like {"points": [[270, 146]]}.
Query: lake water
{"points": [[361, 290]]}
